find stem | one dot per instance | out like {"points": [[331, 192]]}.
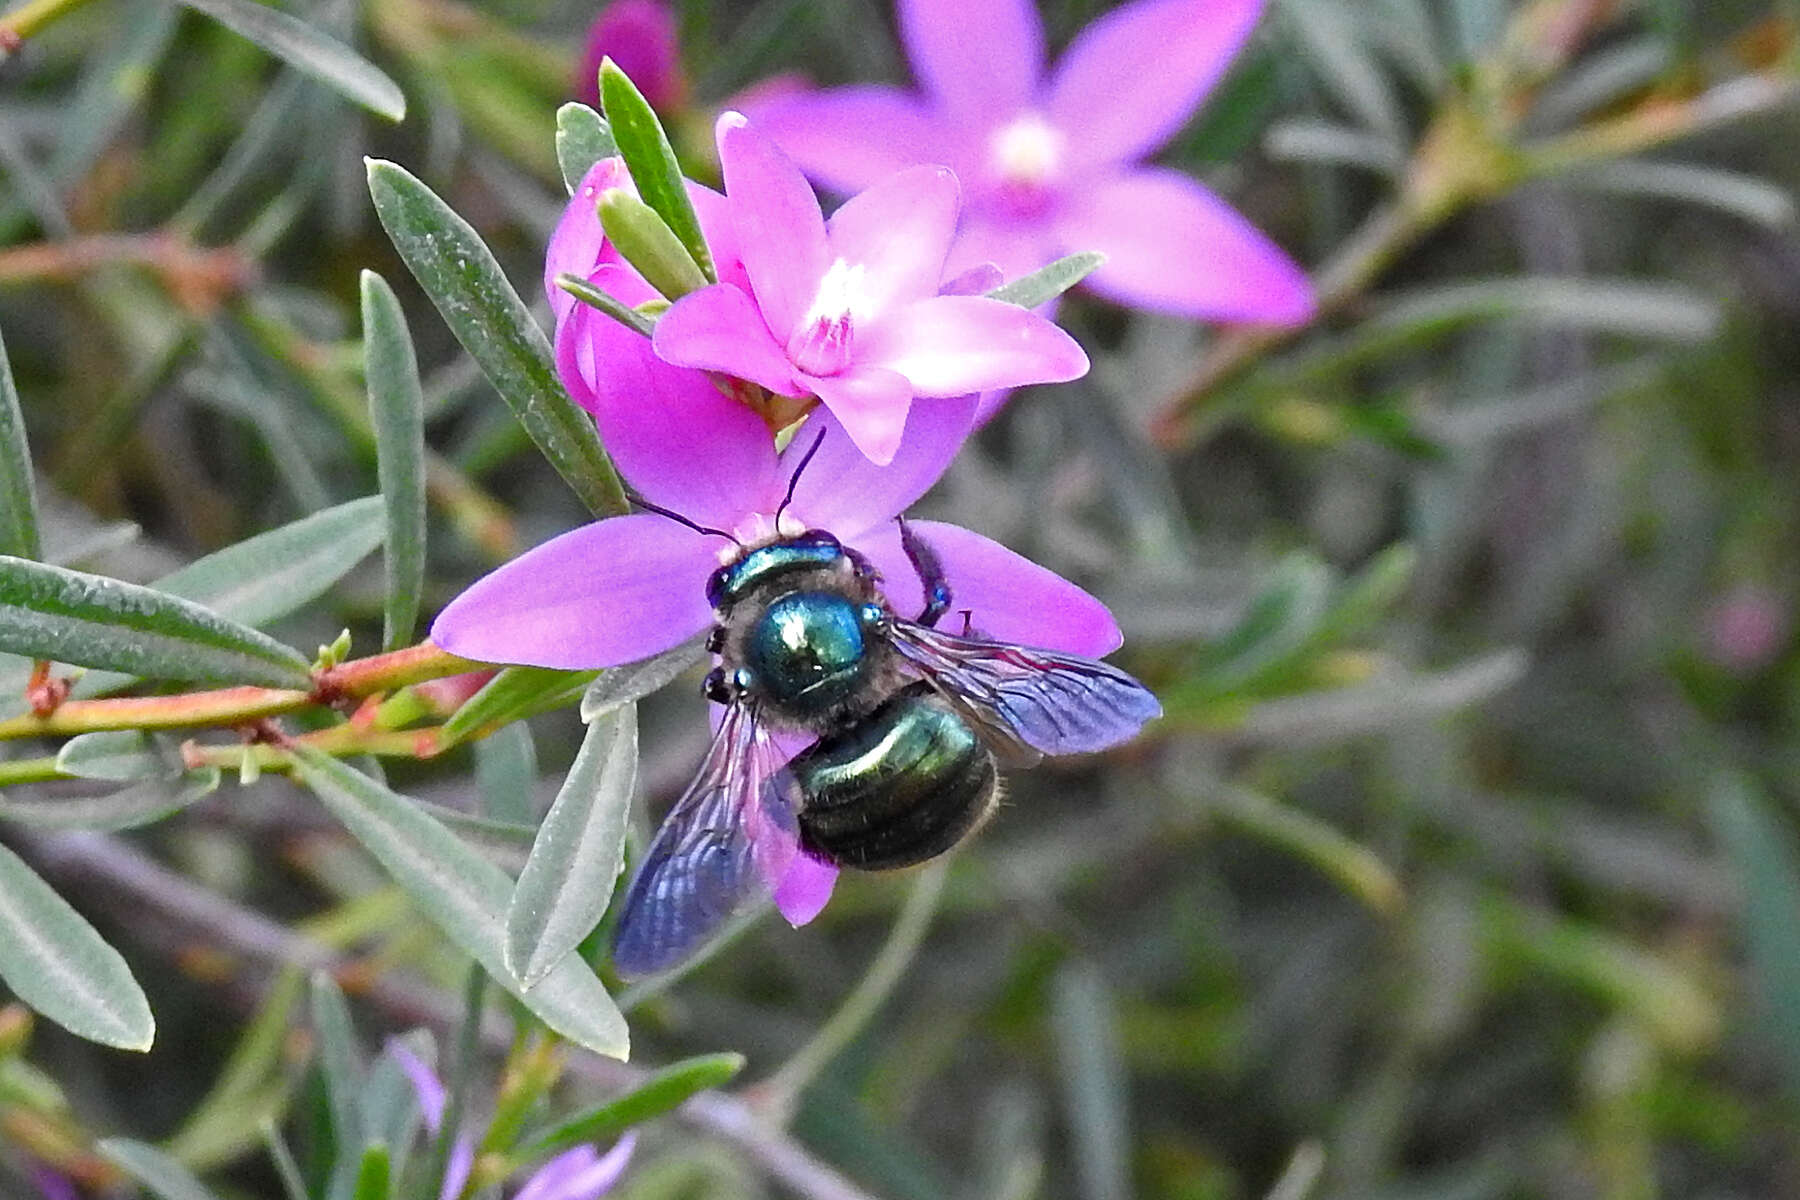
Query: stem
{"points": [[242, 705], [30, 770], [25, 21], [778, 1094], [198, 277], [118, 873]]}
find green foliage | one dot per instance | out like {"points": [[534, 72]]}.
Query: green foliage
{"points": [[582, 139], [308, 50], [651, 160], [397, 411]]}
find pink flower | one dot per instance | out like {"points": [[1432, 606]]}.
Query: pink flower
{"points": [[851, 310], [579, 1173], [1051, 162], [639, 35], [629, 587]]}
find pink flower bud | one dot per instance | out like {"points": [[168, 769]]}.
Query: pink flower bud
{"points": [[638, 35]]}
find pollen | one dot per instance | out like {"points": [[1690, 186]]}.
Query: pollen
{"points": [[1027, 151], [821, 343]]}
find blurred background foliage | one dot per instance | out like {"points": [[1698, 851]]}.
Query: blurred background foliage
{"points": [[1463, 865]]}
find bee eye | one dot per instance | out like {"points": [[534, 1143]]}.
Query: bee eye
{"points": [[715, 587]]}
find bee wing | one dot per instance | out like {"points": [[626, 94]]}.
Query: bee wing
{"points": [[724, 845], [1037, 700]]}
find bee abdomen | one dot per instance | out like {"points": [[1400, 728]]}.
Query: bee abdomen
{"points": [[902, 786]]}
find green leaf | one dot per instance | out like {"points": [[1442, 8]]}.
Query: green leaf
{"points": [[121, 755], [513, 693], [141, 804], [293, 1184], [1746, 196], [1759, 849], [662, 1092], [372, 1182], [580, 850], [1047, 283], [651, 160], [459, 273], [340, 1066], [396, 410], [91, 621], [464, 895], [166, 1178], [18, 505], [1084, 1019], [645, 241], [622, 685], [264, 578], [306, 49], [506, 773], [55, 962], [593, 297], [582, 139]]}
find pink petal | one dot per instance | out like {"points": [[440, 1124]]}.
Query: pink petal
{"points": [[805, 889], [718, 328], [586, 337], [898, 231], [1132, 78], [676, 438], [1011, 598], [640, 36], [1016, 245], [605, 594], [548, 1180], [427, 1088], [850, 138], [597, 1178], [976, 280], [842, 491], [949, 345], [870, 403], [457, 1167], [1174, 246], [780, 231], [981, 59], [575, 246]]}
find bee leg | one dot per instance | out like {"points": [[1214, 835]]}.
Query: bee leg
{"points": [[968, 616], [925, 563]]}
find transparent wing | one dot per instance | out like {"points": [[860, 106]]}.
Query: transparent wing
{"points": [[1026, 699], [722, 847]]}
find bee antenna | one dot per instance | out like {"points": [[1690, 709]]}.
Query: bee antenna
{"points": [[672, 515], [794, 479]]}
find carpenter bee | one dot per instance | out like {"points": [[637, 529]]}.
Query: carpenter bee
{"points": [[908, 720]]}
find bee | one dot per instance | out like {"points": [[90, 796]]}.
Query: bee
{"points": [[910, 722]]}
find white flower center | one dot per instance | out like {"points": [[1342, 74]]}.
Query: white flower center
{"points": [[1026, 152], [821, 342]]}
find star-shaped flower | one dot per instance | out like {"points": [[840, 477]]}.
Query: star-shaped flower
{"points": [[1051, 160]]}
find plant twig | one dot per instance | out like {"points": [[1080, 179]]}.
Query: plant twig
{"points": [[113, 868]]}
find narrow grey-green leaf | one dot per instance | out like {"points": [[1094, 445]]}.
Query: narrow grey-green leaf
{"points": [[166, 1178], [459, 273], [618, 310], [580, 849], [512, 693], [582, 139], [397, 411], [116, 754], [92, 621], [464, 895], [506, 774], [293, 1183], [340, 1066], [651, 160], [619, 686], [307, 49], [661, 1093], [55, 962], [18, 503], [1093, 1076], [264, 578], [142, 803], [1759, 850], [1049, 282]]}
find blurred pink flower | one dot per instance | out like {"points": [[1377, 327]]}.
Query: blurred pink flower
{"points": [[1050, 161], [638, 35], [579, 1173], [852, 310], [1746, 628]]}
